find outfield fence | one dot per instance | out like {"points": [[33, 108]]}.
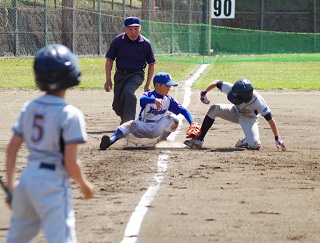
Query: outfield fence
{"points": [[174, 27]]}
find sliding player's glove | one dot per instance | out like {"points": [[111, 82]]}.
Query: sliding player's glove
{"points": [[280, 144], [193, 130], [203, 97]]}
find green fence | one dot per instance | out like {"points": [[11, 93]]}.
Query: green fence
{"points": [[199, 39], [240, 41]]}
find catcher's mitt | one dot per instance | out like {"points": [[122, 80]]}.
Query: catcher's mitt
{"points": [[193, 130]]}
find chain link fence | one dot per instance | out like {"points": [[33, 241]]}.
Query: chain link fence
{"points": [[173, 26], [285, 15]]}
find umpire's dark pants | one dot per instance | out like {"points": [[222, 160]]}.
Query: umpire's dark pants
{"points": [[124, 99]]}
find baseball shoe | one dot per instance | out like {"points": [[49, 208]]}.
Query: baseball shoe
{"points": [[242, 143], [194, 143], [105, 142]]}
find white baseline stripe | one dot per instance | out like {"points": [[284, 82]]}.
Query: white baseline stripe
{"points": [[133, 226], [187, 95]]}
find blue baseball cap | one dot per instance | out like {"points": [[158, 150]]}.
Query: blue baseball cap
{"points": [[164, 78], [132, 21]]}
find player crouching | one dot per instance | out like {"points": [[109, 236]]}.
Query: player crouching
{"points": [[152, 121]]}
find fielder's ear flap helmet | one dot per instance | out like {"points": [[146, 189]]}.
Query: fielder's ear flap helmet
{"points": [[56, 68], [241, 91]]}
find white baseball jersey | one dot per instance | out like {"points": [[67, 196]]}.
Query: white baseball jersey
{"points": [[151, 122], [253, 108], [150, 112], [43, 196], [246, 114]]}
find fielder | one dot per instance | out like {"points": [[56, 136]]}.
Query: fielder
{"points": [[152, 121], [246, 106], [51, 129]]}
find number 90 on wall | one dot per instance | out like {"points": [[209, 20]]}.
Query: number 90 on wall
{"points": [[222, 9]]}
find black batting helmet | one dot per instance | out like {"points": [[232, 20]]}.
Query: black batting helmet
{"points": [[241, 91], [56, 68]]}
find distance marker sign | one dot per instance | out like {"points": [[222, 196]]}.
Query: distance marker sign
{"points": [[222, 9]]}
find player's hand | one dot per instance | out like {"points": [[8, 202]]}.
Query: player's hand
{"points": [[108, 86], [146, 88], [203, 98], [87, 190], [158, 103], [280, 144]]}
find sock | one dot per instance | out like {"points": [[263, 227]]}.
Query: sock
{"points": [[116, 136], [206, 124]]}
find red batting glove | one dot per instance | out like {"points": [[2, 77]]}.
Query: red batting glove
{"points": [[280, 144], [203, 98]]}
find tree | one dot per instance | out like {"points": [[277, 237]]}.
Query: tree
{"points": [[68, 24], [148, 6]]}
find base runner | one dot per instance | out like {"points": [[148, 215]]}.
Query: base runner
{"points": [[247, 105]]}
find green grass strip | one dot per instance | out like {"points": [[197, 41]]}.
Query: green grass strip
{"points": [[266, 72]]}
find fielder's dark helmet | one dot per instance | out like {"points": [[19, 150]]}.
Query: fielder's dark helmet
{"points": [[241, 91], [56, 68]]}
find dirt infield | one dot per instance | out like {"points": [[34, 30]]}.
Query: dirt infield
{"points": [[218, 194]]}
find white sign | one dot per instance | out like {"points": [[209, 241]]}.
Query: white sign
{"points": [[223, 9]]}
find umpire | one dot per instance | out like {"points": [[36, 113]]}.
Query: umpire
{"points": [[132, 52]]}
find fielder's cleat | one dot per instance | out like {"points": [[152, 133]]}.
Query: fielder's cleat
{"points": [[242, 143], [194, 143], [105, 142]]}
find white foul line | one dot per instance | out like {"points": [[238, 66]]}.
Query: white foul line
{"points": [[133, 226]]}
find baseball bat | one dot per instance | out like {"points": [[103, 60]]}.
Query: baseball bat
{"points": [[6, 189]]}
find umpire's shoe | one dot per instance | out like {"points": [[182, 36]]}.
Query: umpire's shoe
{"points": [[105, 142]]}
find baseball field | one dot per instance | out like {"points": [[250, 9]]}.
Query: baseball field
{"points": [[148, 192]]}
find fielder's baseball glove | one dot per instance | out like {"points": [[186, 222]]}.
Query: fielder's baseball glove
{"points": [[193, 130]]}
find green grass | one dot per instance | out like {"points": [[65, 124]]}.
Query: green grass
{"points": [[18, 72], [93, 70], [266, 75], [266, 72]]}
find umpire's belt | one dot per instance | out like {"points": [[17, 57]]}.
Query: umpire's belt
{"points": [[146, 120], [47, 166], [127, 71]]}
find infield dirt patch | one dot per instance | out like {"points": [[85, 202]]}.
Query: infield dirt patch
{"points": [[218, 194]]}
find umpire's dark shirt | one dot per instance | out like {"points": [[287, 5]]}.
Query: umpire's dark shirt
{"points": [[130, 55]]}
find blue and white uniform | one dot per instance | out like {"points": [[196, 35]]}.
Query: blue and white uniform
{"points": [[151, 122], [246, 114], [42, 198]]}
